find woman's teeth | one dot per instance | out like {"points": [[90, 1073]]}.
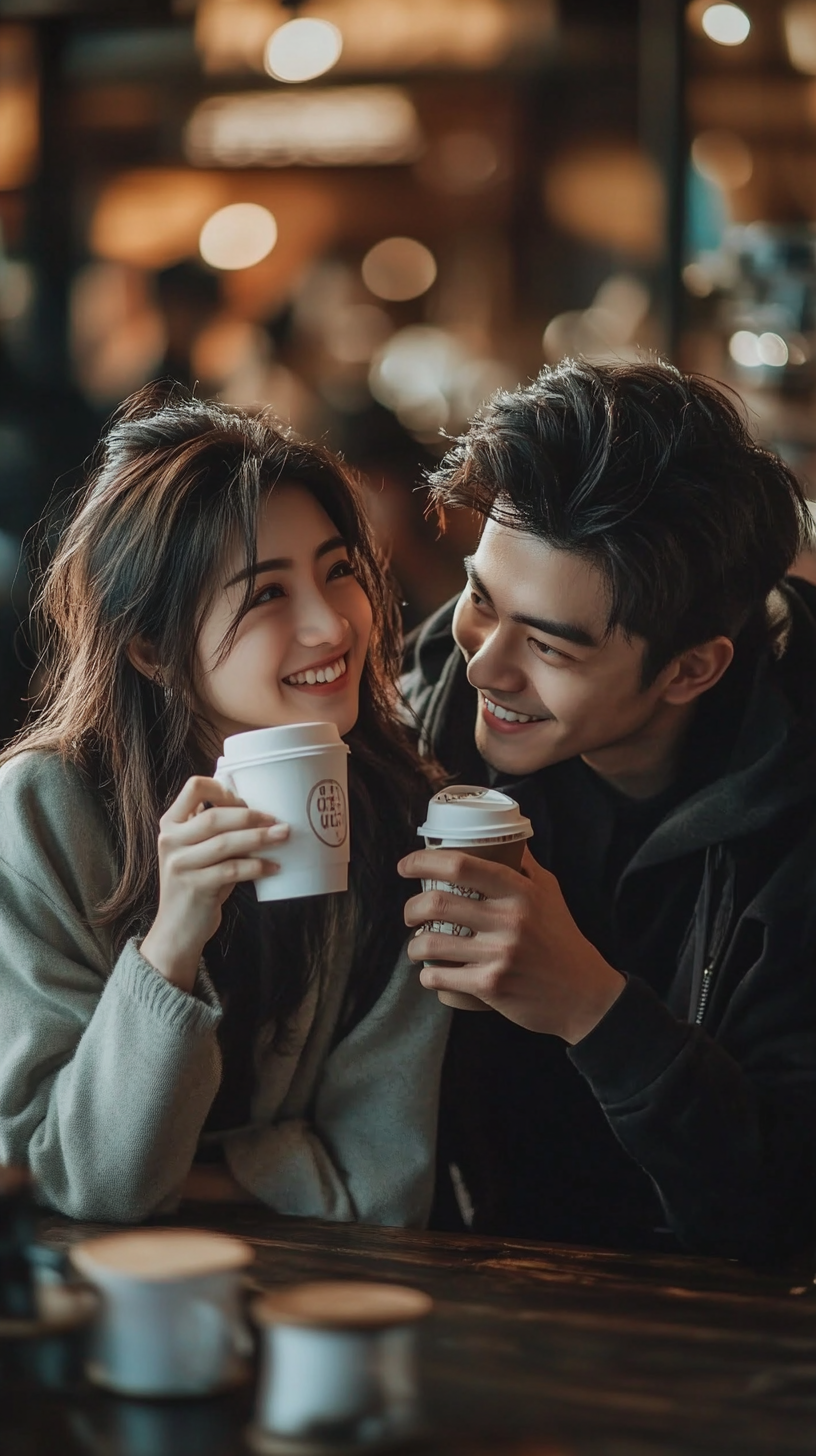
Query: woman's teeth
{"points": [[318, 675], [507, 716]]}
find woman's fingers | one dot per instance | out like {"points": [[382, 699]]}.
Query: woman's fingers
{"points": [[212, 822], [197, 791], [231, 872], [235, 844]]}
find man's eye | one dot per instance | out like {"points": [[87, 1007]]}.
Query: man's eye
{"points": [[545, 650], [476, 599]]}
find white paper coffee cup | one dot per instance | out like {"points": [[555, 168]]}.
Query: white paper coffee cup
{"points": [[298, 773], [484, 823], [171, 1319]]}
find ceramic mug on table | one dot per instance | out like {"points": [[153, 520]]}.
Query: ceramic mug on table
{"points": [[171, 1320], [299, 773], [338, 1367], [484, 823]]}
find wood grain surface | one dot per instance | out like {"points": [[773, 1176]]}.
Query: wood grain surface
{"points": [[532, 1350]]}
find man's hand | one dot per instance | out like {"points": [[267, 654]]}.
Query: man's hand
{"points": [[525, 957]]}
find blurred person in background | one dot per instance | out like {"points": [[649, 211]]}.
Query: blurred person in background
{"points": [[628, 661], [164, 1035]]}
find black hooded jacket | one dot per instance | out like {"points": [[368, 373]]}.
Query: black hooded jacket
{"points": [[688, 1115]]}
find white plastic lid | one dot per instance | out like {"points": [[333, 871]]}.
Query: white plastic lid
{"points": [[469, 814], [289, 739]]}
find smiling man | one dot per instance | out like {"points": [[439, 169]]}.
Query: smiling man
{"points": [[628, 662]]}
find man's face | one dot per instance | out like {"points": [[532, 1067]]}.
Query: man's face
{"points": [[553, 683]]}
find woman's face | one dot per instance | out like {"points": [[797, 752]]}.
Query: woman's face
{"points": [[299, 651]]}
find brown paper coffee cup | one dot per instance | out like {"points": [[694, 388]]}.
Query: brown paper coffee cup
{"points": [[509, 853], [482, 822]]}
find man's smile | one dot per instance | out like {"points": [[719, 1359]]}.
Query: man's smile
{"points": [[506, 720]]}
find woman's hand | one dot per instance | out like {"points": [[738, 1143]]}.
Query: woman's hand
{"points": [[209, 841]]}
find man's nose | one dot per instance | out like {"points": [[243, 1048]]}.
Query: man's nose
{"points": [[491, 666]]}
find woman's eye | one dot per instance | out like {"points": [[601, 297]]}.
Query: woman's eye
{"points": [[476, 600], [340, 568], [269, 593]]}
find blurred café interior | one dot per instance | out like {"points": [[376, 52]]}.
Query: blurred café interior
{"points": [[369, 214]]}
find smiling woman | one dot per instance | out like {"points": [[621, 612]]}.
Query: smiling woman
{"points": [[217, 576]]}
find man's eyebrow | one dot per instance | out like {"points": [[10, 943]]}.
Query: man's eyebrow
{"points": [[567, 631], [285, 563]]}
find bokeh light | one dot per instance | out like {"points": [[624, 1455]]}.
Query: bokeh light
{"points": [[744, 349], [722, 157], [398, 269], [799, 20], [238, 236], [302, 49], [726, 24], [772, 350]]}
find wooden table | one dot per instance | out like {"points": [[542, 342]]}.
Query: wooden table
{"points": [[533, 1350]]}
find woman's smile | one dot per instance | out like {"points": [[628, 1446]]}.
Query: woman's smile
{"points": [[321, 678]]}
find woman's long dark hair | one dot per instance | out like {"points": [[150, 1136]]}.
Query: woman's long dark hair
{"points": [[175, 483]]}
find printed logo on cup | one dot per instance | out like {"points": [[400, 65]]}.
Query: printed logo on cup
{"points": [[327, 812]]}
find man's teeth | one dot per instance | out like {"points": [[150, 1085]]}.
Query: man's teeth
{"points": [[318, 675], [507, 716]]}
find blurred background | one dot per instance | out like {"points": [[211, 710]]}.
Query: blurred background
{"points": [[372, 213]]}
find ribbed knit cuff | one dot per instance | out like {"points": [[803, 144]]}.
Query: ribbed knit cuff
{"points": [[134, 977], [632, 1045]]}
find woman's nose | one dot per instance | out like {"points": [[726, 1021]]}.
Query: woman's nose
{"points": [[318, 622]]}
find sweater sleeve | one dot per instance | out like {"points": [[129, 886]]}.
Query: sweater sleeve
{"points": [[107, 1071], [729, 1145], [366, 1150]]}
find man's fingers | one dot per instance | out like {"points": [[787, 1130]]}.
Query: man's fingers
{"points": [[443, 905], [494, 881], [432, 945], [471, 979]]}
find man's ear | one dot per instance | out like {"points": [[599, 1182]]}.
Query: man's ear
{"points": [[697, 670], [142, 654]]}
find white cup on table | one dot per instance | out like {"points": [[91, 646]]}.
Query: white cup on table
{"points": [[171, 1320]]}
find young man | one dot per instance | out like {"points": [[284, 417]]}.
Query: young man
{"points": [[627, 661]]}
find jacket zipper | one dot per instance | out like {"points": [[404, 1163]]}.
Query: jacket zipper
{"points": [[715, 952], [705, 987]]}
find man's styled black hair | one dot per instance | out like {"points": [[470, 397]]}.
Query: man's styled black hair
{"points": [[650, 475]]}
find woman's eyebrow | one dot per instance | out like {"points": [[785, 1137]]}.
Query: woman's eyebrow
{"points": [[285, 563]]}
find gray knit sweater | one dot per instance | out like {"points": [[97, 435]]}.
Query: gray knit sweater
{"points": [[107, 1071]]}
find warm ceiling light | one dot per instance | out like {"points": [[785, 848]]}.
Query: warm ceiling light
{"points": [[332, 126], [238, 236], [302, 49], [398, 269], [726, 24]]}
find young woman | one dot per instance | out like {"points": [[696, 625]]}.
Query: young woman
{"points": [[162, 1034]]}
